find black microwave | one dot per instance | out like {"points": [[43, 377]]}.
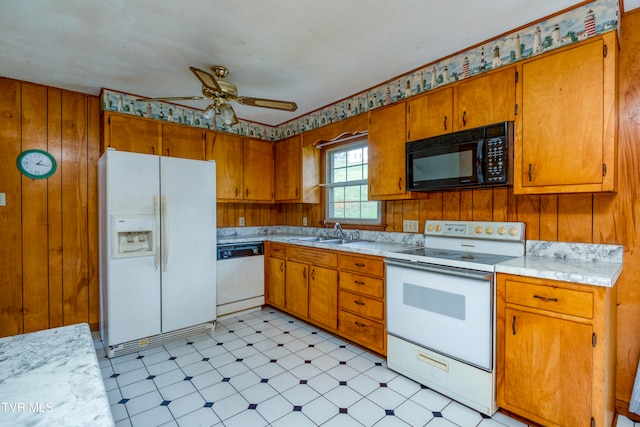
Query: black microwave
{"points": [[480, 157]]}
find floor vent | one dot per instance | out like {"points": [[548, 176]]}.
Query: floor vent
{"points": [[157, 340]]}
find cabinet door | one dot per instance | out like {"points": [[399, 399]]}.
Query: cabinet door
{"points": [[387, 165], [258, 170], [562, 118], [131, 133], [297, 288], [276, 282], [226, 150], [487, 99], [548, 365], [287, 169], [430, 115], [323, 296], [182, 141]]}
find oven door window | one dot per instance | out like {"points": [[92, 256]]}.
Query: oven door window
{"points": [[448, 314]]}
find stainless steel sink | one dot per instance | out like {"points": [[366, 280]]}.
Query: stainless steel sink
{"points": [[330, 240]]}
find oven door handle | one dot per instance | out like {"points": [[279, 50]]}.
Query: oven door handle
{"points": [[470, 274]]}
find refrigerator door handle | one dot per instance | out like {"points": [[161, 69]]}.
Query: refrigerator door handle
{"points": [[156, 208], [165, 234]]}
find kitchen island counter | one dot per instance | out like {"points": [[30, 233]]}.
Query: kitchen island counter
{"points": [[52, 378]]}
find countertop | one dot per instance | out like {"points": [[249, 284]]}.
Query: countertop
{"points": [[582, 263], [52, 378]]}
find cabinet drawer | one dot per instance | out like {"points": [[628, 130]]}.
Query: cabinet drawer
{"points": [[362, 284], [313, 256], [277, 250], [362, 330], [559, 300], [358, 264], [364, 306]]}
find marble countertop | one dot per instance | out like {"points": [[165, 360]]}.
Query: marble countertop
{"points": [[582, 263], [52, 378]]}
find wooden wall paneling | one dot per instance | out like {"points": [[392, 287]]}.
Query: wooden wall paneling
{"points": [[393, 216], [35, 271], [466, 205], [266, 215], [10, 220], [410, 211], [54, 208], [501, 203], [549, 217], [482, 205], [314, 214], [616, 219], [252, 214], [74, 209], [525, 209], [295, 214], [451, 205], [239, 210], [575, 218], [430, 207], [93, 154]]}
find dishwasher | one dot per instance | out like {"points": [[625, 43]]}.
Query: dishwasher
{"points": [[240, 278]]}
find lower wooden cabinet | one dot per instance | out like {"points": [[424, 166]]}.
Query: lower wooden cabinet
{"points": [[340, 292], [556, 351]]}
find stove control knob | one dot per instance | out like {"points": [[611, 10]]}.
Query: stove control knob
{"points": [[489, 230], [513, 231], [438, 228], [429, 227], [502, 231], [479, 230]]}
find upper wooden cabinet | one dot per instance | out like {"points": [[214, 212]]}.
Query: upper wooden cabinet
{"points": [[566, 138], [183, 141], [430, 114], [226, 150], [296, 172], [244, 167], [125, 132], [486, 99], [257, 170], [387, 165]]}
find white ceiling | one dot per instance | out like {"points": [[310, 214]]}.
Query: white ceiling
{"points": [[311, 52]]}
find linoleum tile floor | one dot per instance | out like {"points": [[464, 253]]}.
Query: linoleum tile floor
{"points": [[265, 368]]}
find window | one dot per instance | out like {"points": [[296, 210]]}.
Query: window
{"points": [[347, 185]]}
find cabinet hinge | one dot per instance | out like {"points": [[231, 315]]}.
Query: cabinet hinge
{"points": [[605, 50], [517, 76], [604, 169], [517, 109], [593, 422], [594, 339]]}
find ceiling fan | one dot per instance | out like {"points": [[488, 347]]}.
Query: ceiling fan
{"points": [[219, 92]]}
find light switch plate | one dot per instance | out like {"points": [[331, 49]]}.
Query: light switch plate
{"points": [[410, 226], [241, 221], [3, 199]]}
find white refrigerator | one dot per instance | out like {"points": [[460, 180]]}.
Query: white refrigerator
{"points": [[157, 247]]}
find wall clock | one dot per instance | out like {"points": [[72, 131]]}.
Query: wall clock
{"points": [[36, 164]]}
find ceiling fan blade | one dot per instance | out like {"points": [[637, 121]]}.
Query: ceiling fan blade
{"points": [[267, 103], [207, 80], [173, 98]]}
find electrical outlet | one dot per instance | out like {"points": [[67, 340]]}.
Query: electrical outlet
{"points": [[304, 221], [3, 199], [241, 221], [410, 226]]}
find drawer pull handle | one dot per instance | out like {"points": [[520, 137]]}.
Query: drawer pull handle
{"points": [[433, 362], [546, 299], [358, 302], [513, 325], [362, 325], [359, 264], [304, 273], [282, 266], [358, 282]]}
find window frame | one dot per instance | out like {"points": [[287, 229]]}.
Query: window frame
{"points": [[328, 185]]}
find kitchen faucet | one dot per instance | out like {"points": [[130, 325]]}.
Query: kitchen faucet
{"points": [[326, 228], [339, 231]]}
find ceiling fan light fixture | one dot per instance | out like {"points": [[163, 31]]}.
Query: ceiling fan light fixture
{"points": [[227, 114], [209, 112]]}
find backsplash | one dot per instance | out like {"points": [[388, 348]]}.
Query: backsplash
{"points": [[575, 251], [573, 26]]}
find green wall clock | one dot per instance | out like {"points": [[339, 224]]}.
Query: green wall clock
{"points": [[36, 164]]}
